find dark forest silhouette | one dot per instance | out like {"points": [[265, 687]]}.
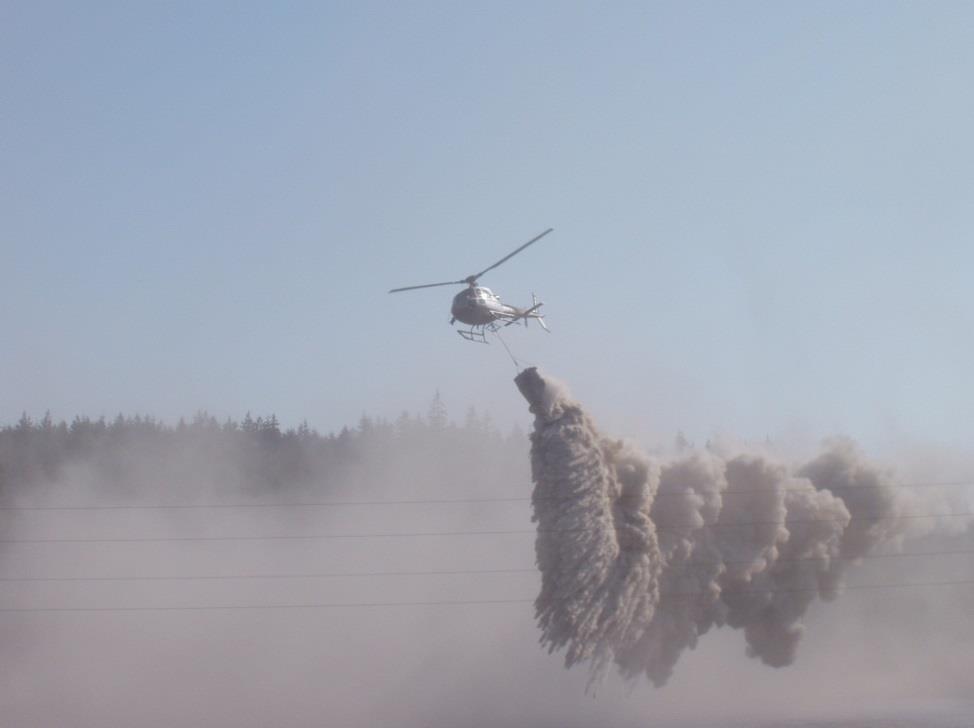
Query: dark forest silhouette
{"points": [[142, 456]]}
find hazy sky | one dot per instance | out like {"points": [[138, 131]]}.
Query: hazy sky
{"points": [[762, 211]]}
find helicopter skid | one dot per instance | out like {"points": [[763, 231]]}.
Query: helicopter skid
{"points": [[478, 333], [478, 336]]}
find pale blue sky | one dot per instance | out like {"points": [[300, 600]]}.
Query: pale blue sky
{"points": [[762, 211]]}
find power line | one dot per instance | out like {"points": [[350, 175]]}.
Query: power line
{"points": [[433, 572], [446, 534], [232, 577], [440, 501], [816, 590], [442, 602], [804, 521], [272, 537], [297, 504], [235, 607]]}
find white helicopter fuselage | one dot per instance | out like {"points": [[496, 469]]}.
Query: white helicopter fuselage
{"points": [[479, 306]]}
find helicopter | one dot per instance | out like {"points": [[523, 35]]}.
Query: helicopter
{"points": [[481, 309]]}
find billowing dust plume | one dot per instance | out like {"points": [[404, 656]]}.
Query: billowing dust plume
{"points": [[639, 559]]}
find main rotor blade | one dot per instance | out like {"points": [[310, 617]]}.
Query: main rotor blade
{"points": [[427, 285], [511, 255]]}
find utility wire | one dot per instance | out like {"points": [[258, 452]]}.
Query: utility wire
{"points": [[445, 501], [436, 572], [498, 532], [232, 577], [443, 602]]}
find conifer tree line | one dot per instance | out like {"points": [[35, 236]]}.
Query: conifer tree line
{"points": [[138, 455]]}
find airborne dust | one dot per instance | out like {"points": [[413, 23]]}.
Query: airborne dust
{"points": [[163, 576], [641, 557]]}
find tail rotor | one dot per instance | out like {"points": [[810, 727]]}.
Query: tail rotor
{"points": [[529, 313], [536, 313]]}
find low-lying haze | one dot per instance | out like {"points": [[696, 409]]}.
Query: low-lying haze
{"points": [[227, 613]]}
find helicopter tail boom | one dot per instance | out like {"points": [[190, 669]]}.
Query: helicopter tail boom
{"points": [[530, 313]]}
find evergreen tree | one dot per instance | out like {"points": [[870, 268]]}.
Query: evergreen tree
{"points": [[437, 416]]}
